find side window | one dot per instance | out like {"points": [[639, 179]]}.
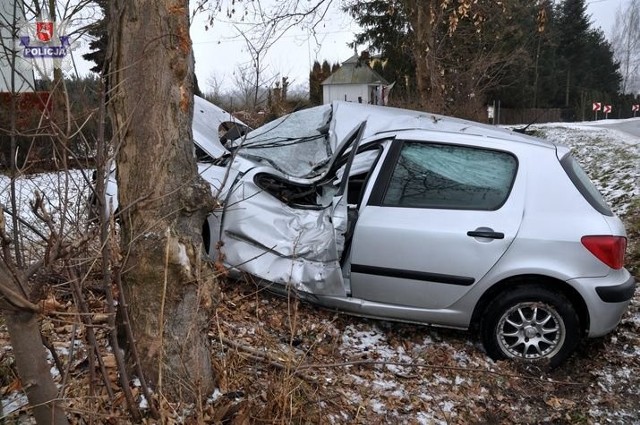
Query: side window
{"points": [[363, 163], [452, 177]]}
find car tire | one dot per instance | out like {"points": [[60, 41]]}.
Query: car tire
{"points": [[530, 323]]}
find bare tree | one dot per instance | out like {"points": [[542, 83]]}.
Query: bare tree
{"points": [[285, 13], [215, 83], [19, 296], [626, 46], [244, 88], [163, 201], [258, 44], [432, 23], [259, 36], [261, 25]]}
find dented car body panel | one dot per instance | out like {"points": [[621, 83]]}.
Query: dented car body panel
{"points": [[295, 243]]}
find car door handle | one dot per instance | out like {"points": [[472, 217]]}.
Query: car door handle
{"points": [[490, 234]]}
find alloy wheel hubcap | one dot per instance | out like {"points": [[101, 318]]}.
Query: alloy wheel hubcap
{"points": [[530, 330]]}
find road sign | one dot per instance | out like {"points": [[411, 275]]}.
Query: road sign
{"points": [[596, 106], [606, 109], [635, 108]]}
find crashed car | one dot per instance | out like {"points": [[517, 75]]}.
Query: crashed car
{"points": [[409, 216], [415, 217]]}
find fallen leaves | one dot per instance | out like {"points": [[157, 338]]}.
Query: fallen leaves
{"points": [[309, 365], [560, 403]]}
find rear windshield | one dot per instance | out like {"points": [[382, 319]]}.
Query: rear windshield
{"points": [[584, 185]]}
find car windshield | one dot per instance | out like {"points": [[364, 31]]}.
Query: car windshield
{"points": [[296, 144]]}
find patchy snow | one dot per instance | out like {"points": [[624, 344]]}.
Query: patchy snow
{"points": [[215, 396], [13, 402]]}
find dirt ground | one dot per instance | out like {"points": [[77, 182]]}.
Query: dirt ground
{"points": [[280, 361]]}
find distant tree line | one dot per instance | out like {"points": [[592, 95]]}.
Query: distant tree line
{"points": [[456, 57]]}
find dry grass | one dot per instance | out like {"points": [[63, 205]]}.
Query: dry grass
{"points": [[283, 362]]}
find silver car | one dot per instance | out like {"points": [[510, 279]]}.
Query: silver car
{"points": [[410, 216]]}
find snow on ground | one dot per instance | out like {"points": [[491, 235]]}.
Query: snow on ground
{"points": [[379, 372], [610, 157], [64, 198]]}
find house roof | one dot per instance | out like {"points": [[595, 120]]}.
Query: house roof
{"points": [[355, 71]]}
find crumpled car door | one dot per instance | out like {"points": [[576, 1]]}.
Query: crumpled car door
{"points": [[295, 246]]}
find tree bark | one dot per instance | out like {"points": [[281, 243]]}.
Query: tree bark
{"points": [[424, 17], [162, 200], [33, 368]]}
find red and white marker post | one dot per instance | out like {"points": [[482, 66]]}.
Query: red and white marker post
{"points": [[596, 107]]}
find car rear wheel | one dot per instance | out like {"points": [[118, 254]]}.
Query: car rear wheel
{"points": [[530, 323]]}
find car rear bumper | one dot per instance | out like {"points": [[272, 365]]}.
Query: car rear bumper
{"points": [[607, 300], [618, 293]]}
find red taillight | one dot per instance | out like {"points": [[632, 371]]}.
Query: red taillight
{"points": [[608, 249]]}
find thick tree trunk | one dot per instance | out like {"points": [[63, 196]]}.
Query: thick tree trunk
{"points": [[33, 368], [423, 17], [163, 202]]}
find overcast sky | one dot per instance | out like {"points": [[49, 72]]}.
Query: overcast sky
{"points": [[220, 50], [603, 12]]}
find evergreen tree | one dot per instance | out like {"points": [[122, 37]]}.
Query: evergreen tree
{"points": [[445, 56], [533, 81], [98, 46], [315, 89], [386, 30], [586, 59], [526, 54], [573, 29], [603, 72], [317, 75]]}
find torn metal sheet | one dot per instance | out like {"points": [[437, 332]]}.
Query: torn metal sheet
{"points": [[207, 122], [269, 239], [297, 145], [297, 245]]}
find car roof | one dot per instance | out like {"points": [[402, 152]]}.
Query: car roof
{"points": [[207, 118], [385, 119]]}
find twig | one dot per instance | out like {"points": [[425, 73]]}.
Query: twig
{"points": [[52, 350], [162, 304], [266, 357], [133, 350], [67, 370], [91, 336], [109, 256]]}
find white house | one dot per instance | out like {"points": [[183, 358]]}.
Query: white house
{"points": [[355, 81]]}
